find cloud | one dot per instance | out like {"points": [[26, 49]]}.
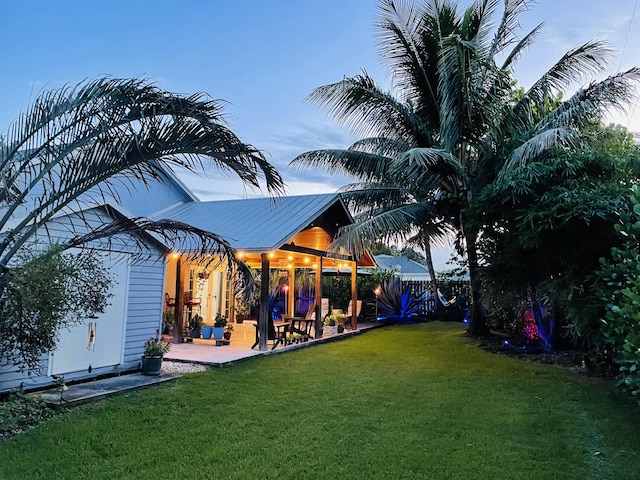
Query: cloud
{"points": [[283, 147], [304, 137]]}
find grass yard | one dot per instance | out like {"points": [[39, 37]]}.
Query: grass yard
{"points": [[419, 401]]}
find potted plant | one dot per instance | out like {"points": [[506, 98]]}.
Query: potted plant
{"points": [[334, 323], [218, 326], [152, 354], [243, 306], [228, 328], [207, 331], [167, 321], [195, 326], [329, 326], [339, 317]]}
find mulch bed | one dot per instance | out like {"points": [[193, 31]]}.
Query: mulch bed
{"points": [[568, 359]]}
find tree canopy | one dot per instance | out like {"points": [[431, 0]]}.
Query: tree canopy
{"points": [[80, 142], [455, 122]]}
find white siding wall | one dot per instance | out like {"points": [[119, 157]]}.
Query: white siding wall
{"points": [[146, 297]]}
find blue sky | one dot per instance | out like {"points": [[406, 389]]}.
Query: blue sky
{"points": [[261, 57]]}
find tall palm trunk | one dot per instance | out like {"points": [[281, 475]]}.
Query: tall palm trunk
{"points": [[477, 320], [426, 245]]}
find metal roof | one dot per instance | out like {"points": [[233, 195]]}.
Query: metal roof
{"points": [[401, 264], [258, 224]]}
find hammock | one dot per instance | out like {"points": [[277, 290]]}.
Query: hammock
{"points": [[444, 300]]}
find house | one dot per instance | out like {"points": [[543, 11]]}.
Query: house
{"points": [[113, 341], [403, 267], [289, 235], [116, 335]]}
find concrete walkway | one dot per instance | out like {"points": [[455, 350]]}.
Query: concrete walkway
{"points": [[79, 393]]}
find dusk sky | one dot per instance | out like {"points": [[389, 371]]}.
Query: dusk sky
{"points": [[262, 57]]}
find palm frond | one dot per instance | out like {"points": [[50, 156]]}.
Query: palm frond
{"points": [[521, 46], [362, 165], [455, 57], [539, 144], [366, 199], [427, 168], [409, 54], [477, 23], [394, 223], [575, 65], [506, 32], [359, 104], [385, 147], [617, 92], [82, 139]]}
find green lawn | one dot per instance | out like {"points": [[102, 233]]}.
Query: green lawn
{"points": [[417, 401]]}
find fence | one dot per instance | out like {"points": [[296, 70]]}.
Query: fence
{"points": [[457, 295]]}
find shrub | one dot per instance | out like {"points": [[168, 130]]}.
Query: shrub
{"points": [[44, 292], [621, 292], [19, 411], [398, 304]]}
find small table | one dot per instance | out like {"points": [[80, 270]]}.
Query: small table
{"points": [[280, 330]]}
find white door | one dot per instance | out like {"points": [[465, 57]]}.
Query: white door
{"points": [[96, 342], [205, 299]]}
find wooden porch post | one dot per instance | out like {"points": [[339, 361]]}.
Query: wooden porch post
{"points": [[178, 308], [263, 320], [319, 319], [354, 295], [291, 291]]}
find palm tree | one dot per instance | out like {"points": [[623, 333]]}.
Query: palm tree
{"points": [[81, 141], [453, 115]]}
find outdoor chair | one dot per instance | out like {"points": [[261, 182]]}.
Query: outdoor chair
{"points": [[169, 301], [350, 311], [190, 300], [300, 328]]}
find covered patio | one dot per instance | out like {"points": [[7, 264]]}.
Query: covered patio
{"points": [[287, 243], [205, 352]]}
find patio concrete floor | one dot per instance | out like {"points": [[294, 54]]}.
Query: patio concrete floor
{"points": [[205, 352], [199, 351]]}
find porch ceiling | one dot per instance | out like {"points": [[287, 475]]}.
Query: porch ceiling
{"points": [[287, 260]]}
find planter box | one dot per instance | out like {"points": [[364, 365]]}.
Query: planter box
{"points": [[329, 330]]}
